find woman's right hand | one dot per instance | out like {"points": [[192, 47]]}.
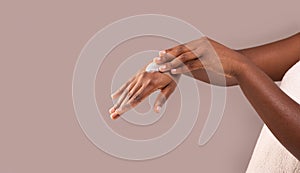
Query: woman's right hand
{"points": [[202, 55]]}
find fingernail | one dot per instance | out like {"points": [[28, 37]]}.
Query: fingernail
{"points": [[163, 67], [157, 58], [113, 96], [158, 108], [118, 111], [162, 53], [114, 116], [111, 110], [173, 71]]}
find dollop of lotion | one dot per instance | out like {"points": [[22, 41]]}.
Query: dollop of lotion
{"points": [[152, 67]]}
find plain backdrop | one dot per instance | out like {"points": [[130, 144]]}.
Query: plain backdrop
{"points": [[40, 42]]}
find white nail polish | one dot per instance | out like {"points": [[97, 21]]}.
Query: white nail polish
{"points": [[161, 53], [111, 110], [173, 71], [158, 108], [162, 67], [111, 117]]}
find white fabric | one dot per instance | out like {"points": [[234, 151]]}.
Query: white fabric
{"points": [[269, 155]]}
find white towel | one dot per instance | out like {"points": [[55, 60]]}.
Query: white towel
{"points": [[269, 155]]}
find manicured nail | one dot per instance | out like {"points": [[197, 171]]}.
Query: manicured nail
{"points": [[111, 110], [158, 108], [112, 96], [114, 116], [162, 53], [163, 67], [157, 59], [173, 71]]}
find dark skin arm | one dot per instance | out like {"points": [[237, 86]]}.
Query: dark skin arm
{"points": [[278, 111], [255, 70], [277, 57], [273, 58]]}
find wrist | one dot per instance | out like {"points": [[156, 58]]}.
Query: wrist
{"points": [[241, 66]]}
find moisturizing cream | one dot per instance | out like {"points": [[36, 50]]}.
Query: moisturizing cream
{"points": [[152, 67]]}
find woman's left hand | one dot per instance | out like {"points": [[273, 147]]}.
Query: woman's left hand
{"points": [[138, 88]]}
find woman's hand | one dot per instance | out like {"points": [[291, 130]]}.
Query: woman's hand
{"points": [[200, 54], [138, 88]]}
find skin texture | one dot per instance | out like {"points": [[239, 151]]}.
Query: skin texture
{"points": [[280, 54], [139, 87], [254, 70], [199, 58]]}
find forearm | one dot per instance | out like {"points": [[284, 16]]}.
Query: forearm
{"points": [[208, 77], [275, 58], [254, 74], [279, 112]]}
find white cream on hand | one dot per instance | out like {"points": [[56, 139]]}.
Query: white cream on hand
{"points": [[152, 67]]}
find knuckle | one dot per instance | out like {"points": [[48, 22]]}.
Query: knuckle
{"points": [[129, 87], [147, 82], [127, 106], [179, 49], [169, 65], [162, 100], [126, 90], [164, 59], [192, 65], [130, 94], [137, 99], [184, 57], [151, 83]]}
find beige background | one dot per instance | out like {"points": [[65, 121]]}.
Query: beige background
{"points": [[40, 42]]}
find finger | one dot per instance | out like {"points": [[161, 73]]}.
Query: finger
{"points": [[163, 96], [130, 94], [122, 97], [111, 110], [159, 59], [188, 67], [143, 92], [185, 57], [138, 96], [134, 90], [117, 93], [116, 105], [172, 53], [114, 116]]}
